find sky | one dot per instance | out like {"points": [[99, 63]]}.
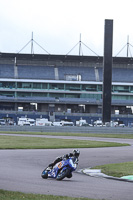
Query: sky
{"points": [[57, 26]]}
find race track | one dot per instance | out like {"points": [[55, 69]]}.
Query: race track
{"points": [[20, 170]]}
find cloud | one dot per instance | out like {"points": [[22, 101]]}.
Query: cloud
{"points": [[57, 24]]}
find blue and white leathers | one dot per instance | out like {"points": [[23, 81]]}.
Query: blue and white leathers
{"points": [[62, 169]]}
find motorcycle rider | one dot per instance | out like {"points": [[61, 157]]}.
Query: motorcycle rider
{"points": [[75, 154]]}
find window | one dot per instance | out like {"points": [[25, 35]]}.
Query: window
{"points": [[72, 95], [56, 86], [24, 85], [89, 87], [37, 85], [72, 87], [118, 88], [120, 97], [56, 95], [7, 94], [91, 96], [99, 88], [44, 86], [10, 85], [24, 94], [39, 94]]}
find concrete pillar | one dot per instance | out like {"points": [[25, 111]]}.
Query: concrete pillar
{"points": [[107, 71]]}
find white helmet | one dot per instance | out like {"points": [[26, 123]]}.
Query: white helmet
{"points": [[76, 152]]}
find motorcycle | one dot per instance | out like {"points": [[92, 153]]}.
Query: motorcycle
{"points": [[62, 169]]}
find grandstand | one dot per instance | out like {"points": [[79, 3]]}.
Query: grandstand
{"points": [[62, 85]]}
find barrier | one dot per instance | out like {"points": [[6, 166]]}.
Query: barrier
{"points": [[68, 129]]}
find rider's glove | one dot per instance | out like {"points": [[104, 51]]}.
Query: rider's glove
{"points": [[66, 156]]}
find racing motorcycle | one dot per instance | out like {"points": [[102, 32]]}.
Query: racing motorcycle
{"points": [[62, 169]]}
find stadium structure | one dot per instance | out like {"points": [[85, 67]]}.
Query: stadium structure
{"points": [[63, 87]]}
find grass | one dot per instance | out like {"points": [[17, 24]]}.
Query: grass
{"points": [[8, 195], [13, 142], [117, 170], [117, 135]]}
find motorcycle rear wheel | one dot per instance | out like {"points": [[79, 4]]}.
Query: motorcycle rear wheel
{"points": [[44, 174], [62, 174]]}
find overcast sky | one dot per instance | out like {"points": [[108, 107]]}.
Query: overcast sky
{"points": [[57, 25]]}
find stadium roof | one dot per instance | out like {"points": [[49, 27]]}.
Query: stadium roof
{"points": [[63, 58]]}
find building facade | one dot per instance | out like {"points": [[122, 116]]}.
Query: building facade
{"points": [[60, 83]]}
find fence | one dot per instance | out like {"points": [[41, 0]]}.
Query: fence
{"points": [[68, 129]]}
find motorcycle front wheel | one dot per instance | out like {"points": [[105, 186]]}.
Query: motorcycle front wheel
{"points": [[44, 174], [62, 174]]}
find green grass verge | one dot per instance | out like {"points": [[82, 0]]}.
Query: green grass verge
{"points": [[8, 195], [18, 142], [117, 135], [117, 170]]}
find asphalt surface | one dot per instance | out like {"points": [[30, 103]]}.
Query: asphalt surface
{"points": [[20, 170]]}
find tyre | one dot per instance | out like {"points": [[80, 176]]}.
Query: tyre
{"points": [[62, 174], [44, 174], [69, 175]]}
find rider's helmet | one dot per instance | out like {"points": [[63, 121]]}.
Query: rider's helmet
{"points": [[76, 152]]}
